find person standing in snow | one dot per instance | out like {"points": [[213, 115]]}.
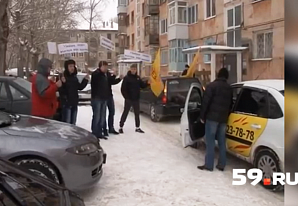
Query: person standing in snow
{"points": [[111, 104], [44, 99], [68, 93], [215, 110], [130, 90], [100, 93]]}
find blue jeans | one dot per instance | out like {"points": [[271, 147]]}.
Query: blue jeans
{"points": [[99, 108], [111, 108], [69, 114], [213, 130]]}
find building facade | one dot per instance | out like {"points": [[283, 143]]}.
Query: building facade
{"points": [[96, 52], [257, 25]]}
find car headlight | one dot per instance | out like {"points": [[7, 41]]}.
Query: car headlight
{"points": [[83, 149]]}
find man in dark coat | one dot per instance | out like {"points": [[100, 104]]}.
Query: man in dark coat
{"points": [[111, 104], [44, 99], [130, 90], [216, 107], [68, 93], [100, 93], [185, 70]]}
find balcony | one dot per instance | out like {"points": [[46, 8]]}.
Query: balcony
{"points": [[151, 7], [151, 39], [122, 29], [121, 9]]}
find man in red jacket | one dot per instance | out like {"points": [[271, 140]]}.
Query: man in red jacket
{"points": [[44, 99]]}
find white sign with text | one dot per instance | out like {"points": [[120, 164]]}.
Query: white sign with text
{"points": [[137, 55], [107, 43], [52, 47], [69, 48]]}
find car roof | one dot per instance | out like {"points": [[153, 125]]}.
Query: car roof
{"points": [[278, 84], [8, 77]]}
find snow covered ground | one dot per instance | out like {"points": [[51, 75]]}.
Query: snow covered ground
{"points": [[153, 169]]}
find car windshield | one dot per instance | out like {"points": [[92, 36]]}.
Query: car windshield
{"points": [[27, 191], [282, 92], [23, 83]]}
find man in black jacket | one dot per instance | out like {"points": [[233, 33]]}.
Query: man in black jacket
{"points": [[185, 70], [216, 107], [99, 95], [111, 104], [130, 90], [68, 93]]}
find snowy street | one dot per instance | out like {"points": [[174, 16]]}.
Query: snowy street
{"points": [[154, 169]]}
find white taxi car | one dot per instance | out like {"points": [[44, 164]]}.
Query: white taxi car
{"points": [[255, 129]]}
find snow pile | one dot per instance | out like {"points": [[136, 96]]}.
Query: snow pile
{"points": [[153, 169]]}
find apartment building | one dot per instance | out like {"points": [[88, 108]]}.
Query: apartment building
{"points": [[96, 52], [256, 25]]}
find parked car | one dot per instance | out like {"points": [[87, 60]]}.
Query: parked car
{"points": [[19, 187], [15, 96], [255, 128], [63, 153], [85, 94], [170, 102]]}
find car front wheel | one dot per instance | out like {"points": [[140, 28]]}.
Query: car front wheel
{"points": [[41, 168], [267, 161]]}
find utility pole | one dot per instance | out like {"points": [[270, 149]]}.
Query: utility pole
{"points": [[20, 56]]}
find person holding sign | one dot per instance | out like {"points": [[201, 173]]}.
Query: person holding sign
{"points": [[44, 99], [130, 90], [68, 93]]}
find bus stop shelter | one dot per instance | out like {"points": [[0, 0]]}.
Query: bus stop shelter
{"points": [[218, 49], [124, 64]]}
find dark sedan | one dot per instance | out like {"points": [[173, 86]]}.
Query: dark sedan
{"points": [[19, 187]]}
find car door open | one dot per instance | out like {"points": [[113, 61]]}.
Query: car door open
{"points": [[192, 129]]}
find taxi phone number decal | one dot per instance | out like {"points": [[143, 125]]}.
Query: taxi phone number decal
{"points": [[239, 132]]}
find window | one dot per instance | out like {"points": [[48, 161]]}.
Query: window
{"points": [[132, 17], [23, 83], [81, 54], [151, 25], [138, 21], [195, 99], [121, 2], [73, 54], [16, 94], [163, 26], [172, 15], [164, 57], [207, 57], [127, 20], [109, 55], [128, 41], [264, 44], [193, 14], [275, 111], [133, 39], [234, 26], [182, 15], [3, 93], [210, 8], [72, 35], [116, 36], [116, 44], [109, 36], [139, 46], [138, 32], [138, 6], [175, 50], [253, 102]]}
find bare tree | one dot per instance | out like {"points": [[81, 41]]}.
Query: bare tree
{"points": [[91, 14], [4, 32], [36, 23]]}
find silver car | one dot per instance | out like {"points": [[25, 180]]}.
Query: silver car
{"points": [[64, 153]]}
